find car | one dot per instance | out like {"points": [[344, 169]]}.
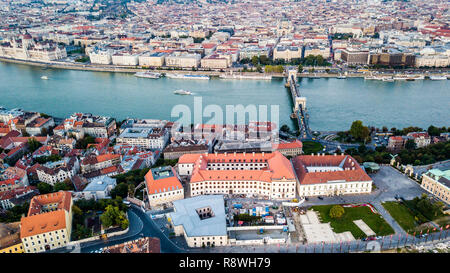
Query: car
{"points": [[371, 238], [320, 197], [306, 199], [378, 237]]}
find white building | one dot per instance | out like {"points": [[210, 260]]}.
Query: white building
{"points": [[99, 188], [201, 220]]}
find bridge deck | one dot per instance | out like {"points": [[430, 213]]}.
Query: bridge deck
{"points": [[302, 119]]}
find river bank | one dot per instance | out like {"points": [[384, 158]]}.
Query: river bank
{"points": [[122, 69]]}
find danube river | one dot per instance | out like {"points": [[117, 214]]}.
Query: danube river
{"points": [[332, 103]]}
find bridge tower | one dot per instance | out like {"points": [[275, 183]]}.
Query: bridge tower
{"points": [[292, 72]]}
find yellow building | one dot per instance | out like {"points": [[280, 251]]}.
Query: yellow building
{"points": [[437, 182], [49, 222]]}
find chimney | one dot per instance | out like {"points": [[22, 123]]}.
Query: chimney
{"points": [[253, 153], [263, 153], [234, 153], [244, 153]]}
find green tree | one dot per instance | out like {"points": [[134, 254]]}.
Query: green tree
{"points": [[359, 131], [410, 144], [120, 190], [336, 211], [113, 216], [33, 144], [109, 216], [44, 188], [255, 60], [300, 68]]}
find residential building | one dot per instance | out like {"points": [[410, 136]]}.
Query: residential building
{"points": [[163, 186], [48, 224], [99, 188], [293, 148], [10, 238]]}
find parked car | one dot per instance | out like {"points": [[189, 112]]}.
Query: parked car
{"points": [[320, 197]]}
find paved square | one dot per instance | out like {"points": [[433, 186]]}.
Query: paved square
{"points": [[364, 227]]}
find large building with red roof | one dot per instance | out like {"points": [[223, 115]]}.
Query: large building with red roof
{"points": [[329, 175], [254, 174], [48, 224], [163, 186]]}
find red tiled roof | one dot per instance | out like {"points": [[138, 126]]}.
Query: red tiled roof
{"points": [[351, 169]]}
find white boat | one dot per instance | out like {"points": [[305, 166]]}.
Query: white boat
{"points": [[369, 78], [387, 79], [182, 92], [187, 76], [438, 78], [44, 77], [148, 74], [341, 77], [400, 78], [421, 77], [245, 77]]}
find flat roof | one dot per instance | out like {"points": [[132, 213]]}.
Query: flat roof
{"points": [[186, 215]]}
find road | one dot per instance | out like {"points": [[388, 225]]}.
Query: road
{"points": [[141, 225]]}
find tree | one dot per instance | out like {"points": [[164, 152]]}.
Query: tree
{"points": [[255, 60], [264, 60], [336, 211], [114, 217], [66, 185], [120, 190], [410, 144], [300, 68], [259, 68], [359, 131], [44, 188], [109, 216], [33, 144]]}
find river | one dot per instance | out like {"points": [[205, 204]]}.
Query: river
{"points": [[333, 104]]}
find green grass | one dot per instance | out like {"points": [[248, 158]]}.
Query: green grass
{"points": [[345, 223], [310, 147], [401, 214]]}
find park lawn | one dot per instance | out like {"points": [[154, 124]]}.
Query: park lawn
{"points": [[345, 223], [401, 214], [311, 147]]}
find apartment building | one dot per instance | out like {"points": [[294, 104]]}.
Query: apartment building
{"points": [[289, 148], [155, 59], [163, 186], [97, 162], [54, 172], [48, 224], [149, 138], [287, 53], [421, 139], [354, 56], [183, 60]]}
